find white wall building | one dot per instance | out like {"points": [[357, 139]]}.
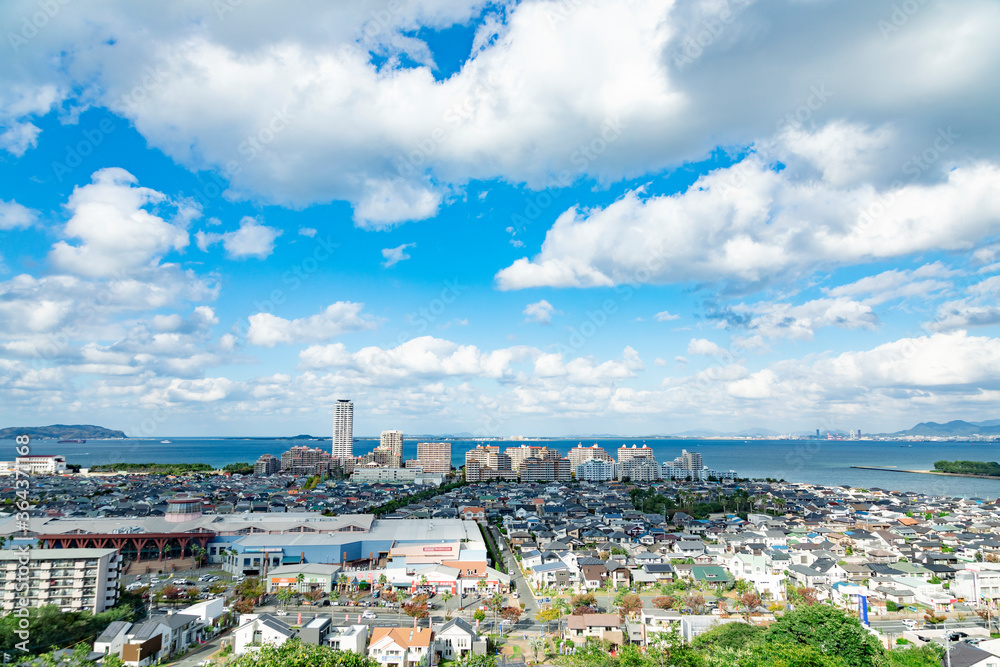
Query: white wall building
{"points": [[343, 429], [595, 470], [71, 579]]}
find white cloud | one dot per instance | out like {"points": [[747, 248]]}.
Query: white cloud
{"points": [[118, 234], [515, 110], [394, 256], [665, 316], [267, 330], [539, 312], [978, 308], [252, 239], [784, 320], [897, 283], [745, 225], [15, 216], [707, 348], [427, 358], [307, 232]]}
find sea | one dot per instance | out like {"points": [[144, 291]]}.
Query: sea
{"points": [[824, 462]]}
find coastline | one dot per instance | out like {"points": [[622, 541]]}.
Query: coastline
{"points": [[928, 472]]}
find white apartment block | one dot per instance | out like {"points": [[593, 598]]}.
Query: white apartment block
{"points": [[635, 452], [71, 579], [579, 454], [595, 470], [639, 469], [41, 464]]}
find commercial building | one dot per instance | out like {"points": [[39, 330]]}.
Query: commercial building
{"points": [[579, 454], [434, 457], [266, 465], [71, 579], [315, 577], [595, 470], [343, 430], [392, 441]]}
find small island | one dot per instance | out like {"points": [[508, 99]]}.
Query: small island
{"points": [[950, 469], [62, 432], [976, 468]]}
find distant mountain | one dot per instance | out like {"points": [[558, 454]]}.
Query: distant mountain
{"points": [[955, 428], [61, 432]]}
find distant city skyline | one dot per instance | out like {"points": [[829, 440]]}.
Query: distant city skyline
{"points": [[470, 216]]}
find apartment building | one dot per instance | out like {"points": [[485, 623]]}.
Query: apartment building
{"points": [[434, 457], [72, 579]]}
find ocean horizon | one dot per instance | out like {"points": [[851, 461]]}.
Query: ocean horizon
{"points": [[823, 462]]}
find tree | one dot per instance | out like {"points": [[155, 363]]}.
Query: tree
{"points": [[314, 596], [192, 593], [807, 595], [776, 655], [243, 606], [832, 631], [628, 605], [510, 614], [479, 615], [285, 595], [299, 579], [295, 653], [382, 581], [537, 644], [416, 609], [728, 635], [749, 601], [696, 603], [664, 602], [548, 614]]}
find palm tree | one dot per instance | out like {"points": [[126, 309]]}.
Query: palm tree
{"points": [[382, 581], [608, 585], [298, 581]]}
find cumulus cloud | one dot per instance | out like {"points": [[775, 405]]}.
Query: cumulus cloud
{"points": [[116, 231], [15, 216], [743, 225], [704, 347], [318, 120], [308, 232], [665, 316], [539, 312], [979, 307], [394, 256], [429, 358], [267, 330], [252, 239]]}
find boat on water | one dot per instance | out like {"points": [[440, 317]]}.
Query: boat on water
{"points": [[79, 441], [164, 442]]}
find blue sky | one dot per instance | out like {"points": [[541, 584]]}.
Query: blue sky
{"points": [[499, 218]]}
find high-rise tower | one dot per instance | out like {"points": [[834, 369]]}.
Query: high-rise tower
{"points": [[343, 429]]}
